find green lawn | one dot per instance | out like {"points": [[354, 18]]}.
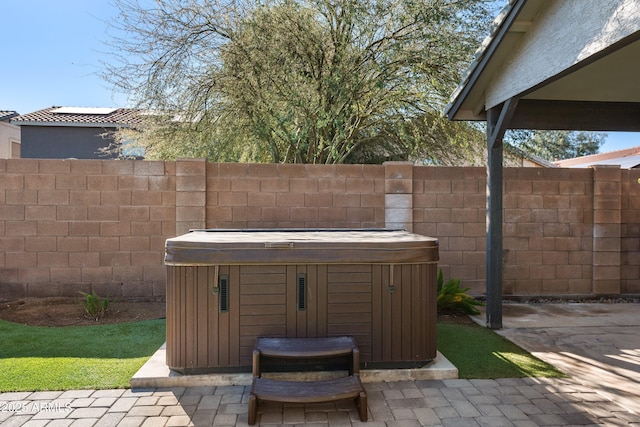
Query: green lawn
{"points": [[478, 352], [75, 357], [106, 356]]}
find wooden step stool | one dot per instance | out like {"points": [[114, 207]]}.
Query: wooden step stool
{"points": [[347, 387]]}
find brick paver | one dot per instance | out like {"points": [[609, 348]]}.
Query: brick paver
{"points": [[495, 403]]}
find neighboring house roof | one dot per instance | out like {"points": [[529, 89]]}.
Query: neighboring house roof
{"points": [[5, 115], [536, 160], [80, 117], [627, 159]]}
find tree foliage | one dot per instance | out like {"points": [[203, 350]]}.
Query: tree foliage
{"points": [[306, 81], [556, 145]]}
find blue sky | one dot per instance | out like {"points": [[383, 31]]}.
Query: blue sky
{"points": [[52, 50], [51, 54]]}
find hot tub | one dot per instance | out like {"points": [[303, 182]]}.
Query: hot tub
{"points": [[225, 288]]}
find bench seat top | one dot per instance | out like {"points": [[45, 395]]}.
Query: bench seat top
{"points": [[307, 391], [305, 347]]}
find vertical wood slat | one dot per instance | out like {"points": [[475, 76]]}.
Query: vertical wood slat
{"points": [[189, 321], [292, 312], [418, 307], [173, 299], [233, 316], [396, 314], [417, 330], [192, 319], [431, 307], [376, 308], [182, 327], [222, 335], [224, 324], [405, 329], [213, 317], [202, 330], [312, 301], [322, 294], [386, 315], [171, 321]]}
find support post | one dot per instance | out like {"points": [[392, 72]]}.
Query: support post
{"points": [[497, 122]]}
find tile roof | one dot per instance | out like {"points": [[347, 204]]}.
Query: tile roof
{"points": [[5, 115], [79, 116]]}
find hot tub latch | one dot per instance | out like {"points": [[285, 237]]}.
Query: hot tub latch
{"points": [[215, 289], [279, 245]]}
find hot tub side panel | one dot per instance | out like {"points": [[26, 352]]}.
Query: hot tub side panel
{"points": [[199, 334], [404, 314], [393, 319]]}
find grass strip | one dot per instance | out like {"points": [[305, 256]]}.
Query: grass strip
{"points": [[480, 353], [35, 358]]}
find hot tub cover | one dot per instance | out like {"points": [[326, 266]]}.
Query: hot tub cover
{"points": [[300, 246]]}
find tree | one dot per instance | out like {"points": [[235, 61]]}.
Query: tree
{"points": [[308, 81], [556, 145]]}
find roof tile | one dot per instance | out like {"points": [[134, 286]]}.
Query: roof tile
{"points": [[5, 115], [119, 117]]}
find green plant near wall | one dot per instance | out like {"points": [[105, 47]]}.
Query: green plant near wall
{"points": [[95, 306], [453, 299]]}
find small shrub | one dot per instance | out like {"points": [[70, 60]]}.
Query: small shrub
{"points": [[95, 306], [452, 299]]}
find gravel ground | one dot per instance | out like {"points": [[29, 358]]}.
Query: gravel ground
{"points": [[574, 300]]}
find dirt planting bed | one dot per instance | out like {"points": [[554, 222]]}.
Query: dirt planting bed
{"points": [[58, 311]]}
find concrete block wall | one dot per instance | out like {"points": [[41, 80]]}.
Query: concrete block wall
{"points": [[548, 231], [566, 231], [89, 225], [294, 196], [450, 204], [68, 226], [607, 210], [630, 231]]}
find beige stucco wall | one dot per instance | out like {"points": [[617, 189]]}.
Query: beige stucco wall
{"points": [[9, 134], [563, 35]]}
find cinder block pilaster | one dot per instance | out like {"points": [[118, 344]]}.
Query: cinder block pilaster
{"points": [[191, 194], [398, 197], [607, 204]]}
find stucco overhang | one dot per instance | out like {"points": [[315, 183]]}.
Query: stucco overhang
{"points": [[573, 64]]}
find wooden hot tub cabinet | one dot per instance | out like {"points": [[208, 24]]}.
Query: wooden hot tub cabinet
{"points": [[225, 288]]}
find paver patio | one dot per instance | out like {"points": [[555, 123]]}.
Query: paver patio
{"points": [[598, 344]]}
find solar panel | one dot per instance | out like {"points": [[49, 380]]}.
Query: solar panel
{"points": [[84, 110]]}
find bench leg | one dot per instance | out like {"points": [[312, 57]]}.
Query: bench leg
{"points": [[256, 364], [361, 403], [253, 409]]}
